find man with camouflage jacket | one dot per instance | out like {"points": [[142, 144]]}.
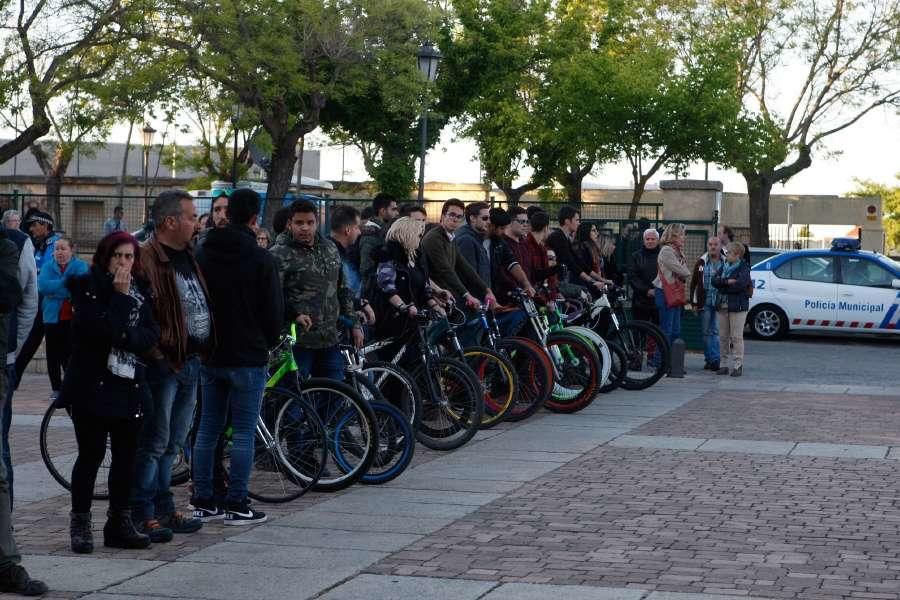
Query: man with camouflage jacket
{"points": [[316, 296]]}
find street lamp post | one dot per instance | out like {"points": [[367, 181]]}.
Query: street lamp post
{"points": [[428, 59], [235, 117], [148, 132]]}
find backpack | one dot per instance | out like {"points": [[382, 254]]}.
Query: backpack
{"points": [[10, 288]]}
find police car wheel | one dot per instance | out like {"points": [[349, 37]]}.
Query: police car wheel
{"points": [[768, 322]]}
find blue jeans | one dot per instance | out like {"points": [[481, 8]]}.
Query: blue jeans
{"points": [[320, 362], [669, 318], [6, 416], [167, 421], [710, 325], [241, 389]]}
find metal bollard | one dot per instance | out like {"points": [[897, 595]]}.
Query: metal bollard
{"points": [[676, 363]]}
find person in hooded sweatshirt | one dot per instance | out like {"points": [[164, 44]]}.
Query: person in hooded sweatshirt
{"points": [[245, 294]]}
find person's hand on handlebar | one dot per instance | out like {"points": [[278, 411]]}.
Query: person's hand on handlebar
{"points": [[472, 302], [490, 300], [530, 292], [359, 338], [412, 311]]}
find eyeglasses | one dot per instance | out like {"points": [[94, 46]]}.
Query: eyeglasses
{"points": [[125, 255], [456, 216], [522, 221]]}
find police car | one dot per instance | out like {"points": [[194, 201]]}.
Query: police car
{"points": [[839, 289]]}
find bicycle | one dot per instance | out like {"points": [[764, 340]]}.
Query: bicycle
{"points": [[496, 373], [452, 398], [396, 440], [530, 363], [351, 430], [642, 342], [576, 364]]}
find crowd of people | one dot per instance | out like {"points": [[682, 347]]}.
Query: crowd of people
{"points": [[132, 336]]}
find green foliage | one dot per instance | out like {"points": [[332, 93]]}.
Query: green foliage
{"points": [[890, 206]]}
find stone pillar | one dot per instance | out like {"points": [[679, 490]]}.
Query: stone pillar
{"points": [[690, 199]]}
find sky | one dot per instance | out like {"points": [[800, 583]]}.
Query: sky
{"points": [[868, 150]]}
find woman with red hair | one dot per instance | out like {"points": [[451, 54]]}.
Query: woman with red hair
{"points": [[112, 328]]}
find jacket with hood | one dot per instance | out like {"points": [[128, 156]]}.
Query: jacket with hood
{"points": [[245, 295], [471, 248]]}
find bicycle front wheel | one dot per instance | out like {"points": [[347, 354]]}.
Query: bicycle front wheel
{"points": [[498, 380], [351, 431], [452, 403], [396, 445], [535, 375], [59, 449], [397, 387], [576, 372]]}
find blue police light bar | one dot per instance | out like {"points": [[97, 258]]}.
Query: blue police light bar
{"points": [[845, 244]]}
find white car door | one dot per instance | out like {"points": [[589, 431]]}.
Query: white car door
{"points": [[805, 288], [865, 295]]}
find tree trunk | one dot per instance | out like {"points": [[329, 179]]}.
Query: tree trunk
{"points": [[759, 188], [121, 191], [300, 148], [639, 187], [39, 127], [281, 170], [572, 182], [53, 184]]}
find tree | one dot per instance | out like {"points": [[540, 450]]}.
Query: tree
{"points": [[848, 54], [657, 96], [492, 71], [283, 60], [890, 206], [50, 48], [381, 115]]}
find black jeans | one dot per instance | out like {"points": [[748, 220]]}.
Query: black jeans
{"points": [[91, 432], [59, 347]]}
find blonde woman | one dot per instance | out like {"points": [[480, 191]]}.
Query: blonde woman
{"points": [[733, 283], [607, 247], [672, 272], [402, 278]]}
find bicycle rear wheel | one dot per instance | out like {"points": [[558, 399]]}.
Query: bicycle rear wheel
{"points": [[59, 449], [535, 375], [498, 380], [338, 404], [452, 403], [647, 353], [396, 446], [576, 372], [290, 448], [618, 368]]}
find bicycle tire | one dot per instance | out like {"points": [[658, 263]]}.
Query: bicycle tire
{"points": [[398, 388], [57, 425], [331, 409], [396, 445], [288, 468], [535, 373], [639, 352], [617, 368], [576, 372], [498, 382], [460, 406], [599, 344]]}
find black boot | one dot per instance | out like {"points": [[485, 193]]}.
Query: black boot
{"points": [[80, 532], [119, 531]]}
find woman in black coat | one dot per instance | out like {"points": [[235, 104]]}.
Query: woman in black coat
{"points": [[112, 328]]}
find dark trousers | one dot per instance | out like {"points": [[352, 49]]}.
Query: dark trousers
{"points": [[91, 432], [59, 347], [645, 313], [31, 345]]}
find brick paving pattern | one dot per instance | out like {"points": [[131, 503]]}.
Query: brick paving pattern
{"points": [[763, 526], [852, 419]]}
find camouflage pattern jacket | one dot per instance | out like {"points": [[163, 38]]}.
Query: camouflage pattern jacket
{"points": [[313, 282]]}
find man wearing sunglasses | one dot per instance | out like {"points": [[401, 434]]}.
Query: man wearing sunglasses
{"points": [[445, 264]]}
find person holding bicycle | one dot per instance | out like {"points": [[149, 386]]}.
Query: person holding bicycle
{"points": [[316, 294]]}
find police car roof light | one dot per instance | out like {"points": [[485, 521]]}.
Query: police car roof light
{"points": [[845, 244]]}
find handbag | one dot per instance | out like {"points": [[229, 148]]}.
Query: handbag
{"points": [[674, 292]]}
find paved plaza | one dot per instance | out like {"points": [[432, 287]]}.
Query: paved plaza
{"points": [[782, 484]]}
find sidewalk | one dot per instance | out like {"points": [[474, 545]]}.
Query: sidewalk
{"points": [[699, 488]]}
